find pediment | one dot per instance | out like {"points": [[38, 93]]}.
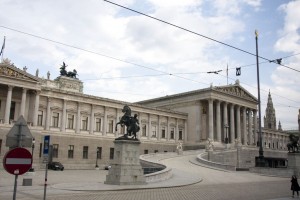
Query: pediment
{"points": [[9, 70], [237, 91]]}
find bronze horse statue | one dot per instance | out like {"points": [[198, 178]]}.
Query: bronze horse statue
{"points": [[293, 145], [130, 122]]}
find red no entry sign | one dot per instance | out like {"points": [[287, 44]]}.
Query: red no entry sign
{"points": [[17, 161]]}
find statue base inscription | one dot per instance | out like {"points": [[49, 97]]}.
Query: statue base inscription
{"points": [[126, 168]]}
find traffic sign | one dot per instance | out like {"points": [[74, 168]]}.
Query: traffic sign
{"points": [[19, 135], [17, 161], [46, 149]]}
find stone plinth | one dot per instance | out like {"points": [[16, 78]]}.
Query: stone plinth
{"points": [[294, 163], [126, 168]]}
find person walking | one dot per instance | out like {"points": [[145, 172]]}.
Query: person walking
{"points": [[295, 185]]}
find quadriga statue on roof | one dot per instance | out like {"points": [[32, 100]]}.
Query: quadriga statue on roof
{"points": [[131, 123], [63, 71]]}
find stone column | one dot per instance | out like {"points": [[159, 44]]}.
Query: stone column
{"points": [[105, 121], [78, 118], [92, 121], [158, 127], [36, 108], [218, 121], [168, 129], [185, 131], [118, 119], [210, 119], [245, 126], [225, 119], [238, 123], [176, 131], [64, 116], [250, 128], [232, 128], [23, 102], [48, 114], [8, 104], [200, 122], [149, 126], [255, 126], [139, 134]]}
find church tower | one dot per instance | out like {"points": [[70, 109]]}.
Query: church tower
{"points": [[270, 116]]}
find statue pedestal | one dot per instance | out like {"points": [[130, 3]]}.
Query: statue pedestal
{"points": [[294, 163], [126, 168]]}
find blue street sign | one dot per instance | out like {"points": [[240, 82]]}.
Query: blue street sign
{"points": [[46, 145]]}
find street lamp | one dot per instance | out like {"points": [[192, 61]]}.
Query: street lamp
{"points": [[97, 155], [260, 161], [32, 150], [226, 131]]}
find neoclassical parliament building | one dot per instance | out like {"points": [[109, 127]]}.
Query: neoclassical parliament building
{"points": [[82, 127]]}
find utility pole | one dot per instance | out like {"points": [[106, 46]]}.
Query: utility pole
{"points": [[260, 161]]}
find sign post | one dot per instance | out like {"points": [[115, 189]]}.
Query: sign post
{"points": [[17, 162], [46, 159]]}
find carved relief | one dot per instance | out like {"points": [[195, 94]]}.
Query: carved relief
{"points": [[235, 91]]}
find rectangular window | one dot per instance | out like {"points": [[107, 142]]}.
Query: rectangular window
{"points": [[111, 153], [99, 152], [12, 110], [41, 150], [172, 133], [155, 151], [144, 130], [180, 135], [84, 123], [40, 118], [71, 151], [55, 150], [163, 133], [55, 118], [85, 152], [98, 124], [110, 126], [70, 121], [146, 151]]}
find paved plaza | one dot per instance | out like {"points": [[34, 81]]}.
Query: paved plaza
{"points": [[190, 181]]}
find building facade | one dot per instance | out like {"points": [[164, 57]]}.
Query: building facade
{"points": [[82, 127]]}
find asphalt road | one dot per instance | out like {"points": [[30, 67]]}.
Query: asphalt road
{"points": [[215, 184]]}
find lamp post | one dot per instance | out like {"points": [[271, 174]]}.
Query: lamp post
{"points": [[97, 155], [226, 131], [260, 161], [32, 150]]}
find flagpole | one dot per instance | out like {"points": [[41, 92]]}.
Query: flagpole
{"points": [[227, 73], [2, 49]]}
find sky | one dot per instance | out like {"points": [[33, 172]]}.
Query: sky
{"points": [[123, 55]]}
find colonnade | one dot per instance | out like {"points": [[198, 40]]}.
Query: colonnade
{"points": [[232, 121], [91, 117]]}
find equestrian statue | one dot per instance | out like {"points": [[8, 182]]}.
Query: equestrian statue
{"points": [[293, 145], [131, 123]]}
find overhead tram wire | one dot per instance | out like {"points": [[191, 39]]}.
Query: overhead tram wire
{"points": [[209, 38], [120, 60], [93, 52]]}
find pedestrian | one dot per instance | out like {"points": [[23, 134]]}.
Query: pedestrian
{"points": [[295, 185]]}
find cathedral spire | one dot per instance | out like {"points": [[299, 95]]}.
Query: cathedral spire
{"points": [[270, 116]]}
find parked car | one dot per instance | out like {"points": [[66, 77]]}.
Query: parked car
{"points": [[107, 167], [55, 166]]}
